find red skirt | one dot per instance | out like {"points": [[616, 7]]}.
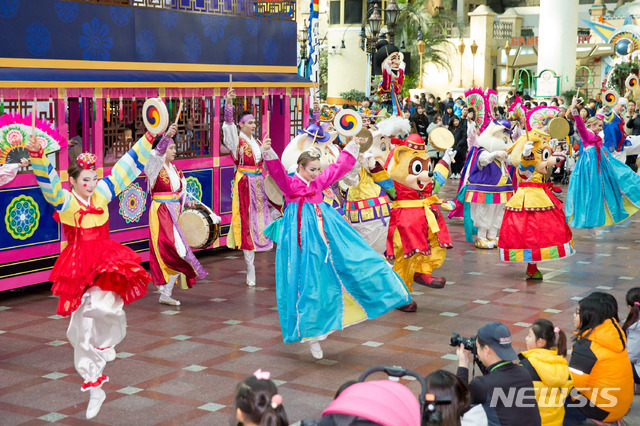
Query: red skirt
{"points": [[534, 236], [93, 259]]}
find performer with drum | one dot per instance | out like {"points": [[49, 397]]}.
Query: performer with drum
{"points": [[170, 256], [250, 208]]}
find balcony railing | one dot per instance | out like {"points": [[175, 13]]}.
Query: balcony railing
{"points": [[279, 10]]}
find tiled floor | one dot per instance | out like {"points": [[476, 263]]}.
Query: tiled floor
{"points": [[180, 366]]}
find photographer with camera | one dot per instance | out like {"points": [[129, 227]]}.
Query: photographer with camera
{"points": [[505, 390]]}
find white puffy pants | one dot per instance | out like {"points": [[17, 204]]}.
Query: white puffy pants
{"points": [[487, 218], [98, 323]]}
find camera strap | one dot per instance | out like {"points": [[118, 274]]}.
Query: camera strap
{"points": [[499, 365]]}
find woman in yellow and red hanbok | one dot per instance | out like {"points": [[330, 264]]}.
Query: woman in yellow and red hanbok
{"points": [[170, 257], [250, 208], [94, 276]]}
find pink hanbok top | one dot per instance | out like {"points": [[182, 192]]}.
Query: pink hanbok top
{"points": [[298, 190]]}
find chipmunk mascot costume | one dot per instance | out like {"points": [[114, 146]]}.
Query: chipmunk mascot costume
{"points": [[418, 236], [534, 228]]}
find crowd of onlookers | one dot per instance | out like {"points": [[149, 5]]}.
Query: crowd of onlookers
{"points": [[594, 383]]}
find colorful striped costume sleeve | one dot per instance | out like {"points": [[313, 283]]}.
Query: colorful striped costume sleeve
{"points": [[49, 182], [126, 169], [440, 175], [381, 177], [526, 167]]}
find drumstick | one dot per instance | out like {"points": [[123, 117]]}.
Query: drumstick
{"points": [[267, 123], [179, 112], [230, 81], [34, 112]]}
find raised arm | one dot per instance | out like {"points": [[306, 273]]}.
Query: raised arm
{"points": [[274, 167], [47, 177], [229, 129], [129, 167], [580, 127], [334, 172]]}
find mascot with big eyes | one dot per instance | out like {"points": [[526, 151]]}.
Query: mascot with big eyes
{"points": [[418, 236], [534, 228]]}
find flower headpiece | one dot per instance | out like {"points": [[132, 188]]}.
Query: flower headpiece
{"points": [[87, 161]]}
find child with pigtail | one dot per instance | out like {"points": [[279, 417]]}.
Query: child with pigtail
{"points": [[545, 359], [258, 402]]}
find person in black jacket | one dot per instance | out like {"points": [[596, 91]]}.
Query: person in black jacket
{"points": [[430, 107], [459, 129], [448, 114], [506, 390], [420, 121]]}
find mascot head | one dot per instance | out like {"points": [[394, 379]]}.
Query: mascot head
{"points": [[411, 165], [543, 159], [314, 138], [496, 137]]}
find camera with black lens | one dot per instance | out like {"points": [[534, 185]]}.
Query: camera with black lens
{"points": [[468, 342]]}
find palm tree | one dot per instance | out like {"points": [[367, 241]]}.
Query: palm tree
{"points": [[416, 23]]}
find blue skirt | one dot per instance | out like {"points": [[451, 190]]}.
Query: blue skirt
{"points": [[325, 286], [601, 196]]}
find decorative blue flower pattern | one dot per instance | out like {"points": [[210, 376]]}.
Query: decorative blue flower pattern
{"points": [[120, 15], [252, 26], [191, 47], [146, 44], [214, 26], [66, 11], [234, 49], [132, 203], [194, 188], [169, 19], [22, 217], [95, 40], [270, 50], [38, 39], [8, 8], [288, 28]]}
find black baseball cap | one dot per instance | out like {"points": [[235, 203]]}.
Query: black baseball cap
{"points": [[498, 337]]}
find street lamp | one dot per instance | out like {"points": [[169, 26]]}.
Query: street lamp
{"points": [[391, 16], [507, 49], [474, 49], [461, 47], [421, 47], [375, 21]]}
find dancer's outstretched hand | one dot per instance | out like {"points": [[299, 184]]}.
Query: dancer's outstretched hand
{"points": [[266, 144], [528, 147], [32, 144]]}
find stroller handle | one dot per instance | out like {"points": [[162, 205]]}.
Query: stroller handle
{"points": [[398, 372]]}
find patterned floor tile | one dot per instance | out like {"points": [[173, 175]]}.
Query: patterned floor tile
{"points": [[181, 365]]}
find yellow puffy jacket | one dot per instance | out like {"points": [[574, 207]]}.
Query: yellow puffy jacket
{"points": [[550, 374], [601, 372]]}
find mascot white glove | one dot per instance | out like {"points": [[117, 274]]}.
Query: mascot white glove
{"points": [[367, 160], [528, 147], [449, 155], [501, 155]]}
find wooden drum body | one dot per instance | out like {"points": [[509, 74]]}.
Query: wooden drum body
{"points": [[198, 227]]}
